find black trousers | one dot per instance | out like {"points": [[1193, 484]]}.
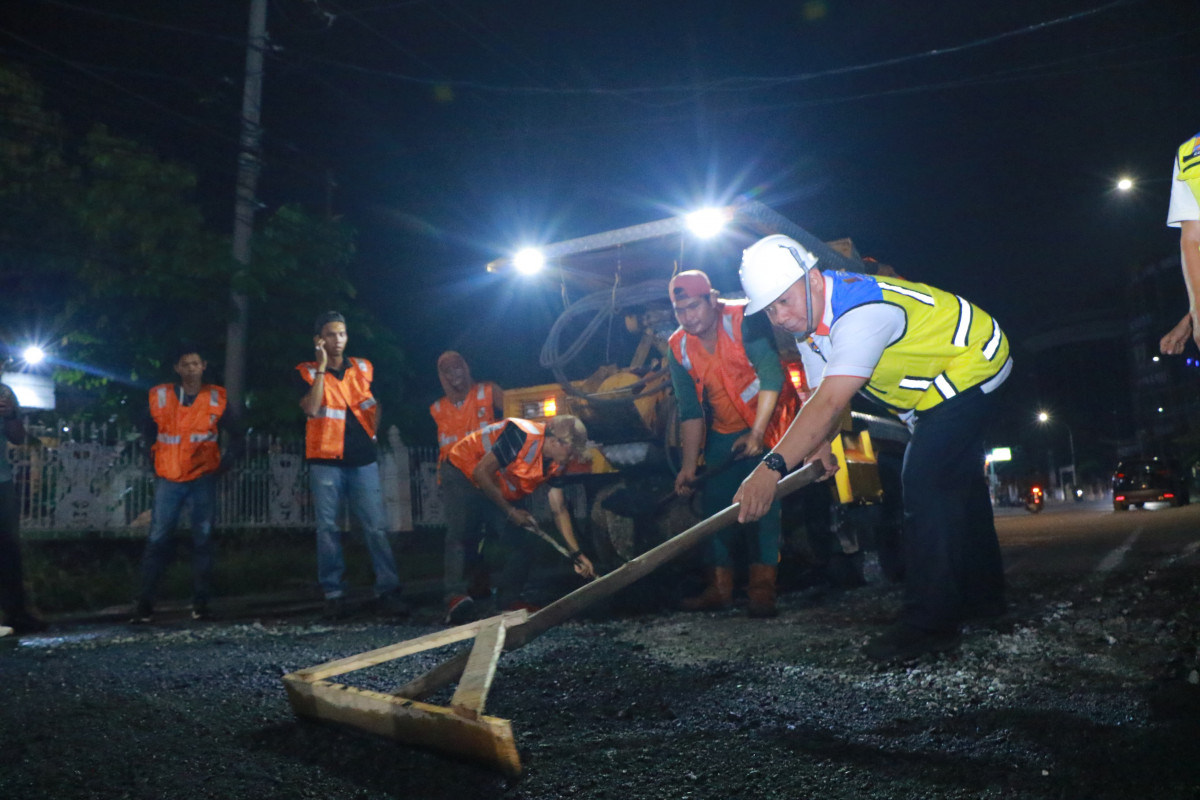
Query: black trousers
{"points": [[12, 586], [952, 564], [469, 516]]}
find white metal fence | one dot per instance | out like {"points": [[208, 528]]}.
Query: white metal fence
{"points": [[98, 479]]}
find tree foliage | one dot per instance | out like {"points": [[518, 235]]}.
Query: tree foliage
{"points": [[106, 257]]}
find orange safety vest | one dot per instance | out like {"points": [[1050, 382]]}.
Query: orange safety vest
{"points": [[187, 446], [454, 421], [729, 366], [523, 474], [325, 434]]}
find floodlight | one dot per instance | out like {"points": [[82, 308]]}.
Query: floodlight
{"points": [[707, 222], [529, 261]]}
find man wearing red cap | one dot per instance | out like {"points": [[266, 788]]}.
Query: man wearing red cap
{"points": [[731, 369]]}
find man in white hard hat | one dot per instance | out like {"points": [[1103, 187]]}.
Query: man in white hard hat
{"points": [[935, 360]]}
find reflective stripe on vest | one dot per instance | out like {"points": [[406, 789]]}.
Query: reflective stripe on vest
{"points": [[949, 345], [185, 446], [730, 365], [523, 474], [1189, 159], [454, 421], [325, 432]]}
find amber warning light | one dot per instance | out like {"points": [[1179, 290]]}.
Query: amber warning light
{"points": [[797, 376], [539, 408]]}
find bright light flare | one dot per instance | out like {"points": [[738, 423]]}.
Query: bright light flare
{"points": [[33, 355], [706, 222], [1124, 184], [1043, 416], [529, 261]]}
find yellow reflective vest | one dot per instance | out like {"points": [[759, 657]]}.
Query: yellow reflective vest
{"points": [[1189, 164], [949, 344]]}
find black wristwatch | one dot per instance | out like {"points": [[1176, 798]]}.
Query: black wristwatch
{"points": [[775, 461]]}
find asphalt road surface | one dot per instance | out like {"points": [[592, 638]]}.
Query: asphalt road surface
{"points": [[1088, 689]]}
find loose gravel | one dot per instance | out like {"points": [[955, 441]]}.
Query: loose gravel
{"points": [[1083, 691]]}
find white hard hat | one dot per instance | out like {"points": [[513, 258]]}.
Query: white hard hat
{"points": [[770, 266]]}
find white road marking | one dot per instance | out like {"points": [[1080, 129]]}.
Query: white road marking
{"points": [[1114, 559]]}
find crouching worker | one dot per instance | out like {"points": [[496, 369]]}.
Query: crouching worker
{"points": [[484, 483], [730, 365]]}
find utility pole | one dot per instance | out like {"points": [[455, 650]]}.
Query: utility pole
{"points": [[245, 203]]}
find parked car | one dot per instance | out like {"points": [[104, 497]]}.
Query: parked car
{"points": [[1148, 480]]}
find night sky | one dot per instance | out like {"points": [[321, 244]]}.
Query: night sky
{"points": [[972, 145]]}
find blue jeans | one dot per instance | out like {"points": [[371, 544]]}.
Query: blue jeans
{"points": [[360, 485], [169, 499]]}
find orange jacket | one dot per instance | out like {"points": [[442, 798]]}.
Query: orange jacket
{"points": [[187, 446], [325, 434], [456, 421], [729, 365], [520, 477]]}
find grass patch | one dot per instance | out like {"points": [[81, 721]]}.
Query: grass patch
{"points": [[97, 572]]}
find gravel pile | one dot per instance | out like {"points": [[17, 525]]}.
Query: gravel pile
{"points": [[1087, 690]]}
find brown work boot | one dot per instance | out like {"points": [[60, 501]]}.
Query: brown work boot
{"points": [[717, 594], [761, 591]]}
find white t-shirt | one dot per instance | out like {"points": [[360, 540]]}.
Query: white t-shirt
{"points": [[1183, 201], [855, 342]]}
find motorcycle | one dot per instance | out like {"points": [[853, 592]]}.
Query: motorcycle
{"points": [[1035, 500]]}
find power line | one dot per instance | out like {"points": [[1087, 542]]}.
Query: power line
{"points": [[728, 84]]}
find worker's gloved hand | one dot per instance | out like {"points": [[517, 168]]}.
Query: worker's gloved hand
{"points": [[748, 445], [684, 481]]}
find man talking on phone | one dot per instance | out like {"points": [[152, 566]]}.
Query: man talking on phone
{"points": [[340, 437]]}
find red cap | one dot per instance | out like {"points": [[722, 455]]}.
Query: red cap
{"points": [[687, 284]]}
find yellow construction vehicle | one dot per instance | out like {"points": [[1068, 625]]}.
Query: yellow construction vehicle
{"points": [[607, 352]]}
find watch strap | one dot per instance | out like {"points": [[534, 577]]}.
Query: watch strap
{"points": [[775, 461]]}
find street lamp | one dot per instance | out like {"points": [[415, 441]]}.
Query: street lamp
{"points": [[1044, 418], [33, 355]]}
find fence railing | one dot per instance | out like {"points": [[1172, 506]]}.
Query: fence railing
{"points": [[100, 479]]}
